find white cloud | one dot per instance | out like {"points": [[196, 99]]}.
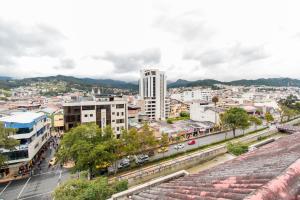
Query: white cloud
{"points": [[190, 40]]}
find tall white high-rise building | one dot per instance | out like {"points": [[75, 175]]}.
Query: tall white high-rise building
{"points": [[153, 90]]}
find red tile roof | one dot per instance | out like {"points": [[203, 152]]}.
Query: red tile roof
{"points": [[271, 172]]}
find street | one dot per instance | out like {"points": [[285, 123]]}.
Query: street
{"points": [[38, 186], [206, 140]]}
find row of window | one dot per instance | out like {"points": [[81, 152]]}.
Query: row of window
{"points": [[118, 113]]}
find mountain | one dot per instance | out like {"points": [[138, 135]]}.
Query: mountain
{"points": [[275, 82], [87, 83], [5, 78], [185, 83], [109, 83]]}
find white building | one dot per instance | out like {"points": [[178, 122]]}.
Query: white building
{"points": [[203, 95], [205, 113], [153, 90], [32, 130]]}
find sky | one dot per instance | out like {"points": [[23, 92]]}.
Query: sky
{"points": [[188, 39]]}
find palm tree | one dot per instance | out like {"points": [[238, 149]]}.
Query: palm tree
{"points": [[215, 100]]}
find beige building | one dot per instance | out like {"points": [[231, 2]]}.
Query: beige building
{"points": [[58, 121], [176, 107]]}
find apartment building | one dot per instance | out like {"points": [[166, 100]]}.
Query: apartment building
{"points": [[33, 131], [203, 95], [153, 90], [110, 110]]}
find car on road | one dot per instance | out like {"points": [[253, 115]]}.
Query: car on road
{"points": [[141, 159], [192, 142], [52, 161], [163, 149], [179, 146], [125, 162]]}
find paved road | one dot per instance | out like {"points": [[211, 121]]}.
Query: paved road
{"points": [[38, 186], [200, 142]]}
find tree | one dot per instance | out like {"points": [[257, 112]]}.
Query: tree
{"points": [[237, 148], [6, 142], [147, 139], [255, 120], [170, 121], [184, 114], [130, 139], [82, 189], [269, 117], [215, 100], [164, 142], [87, 146], [236, 118]]}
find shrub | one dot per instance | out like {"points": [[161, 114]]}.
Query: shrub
{"points": [[237, 148]]}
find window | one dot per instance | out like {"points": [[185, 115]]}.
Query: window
{"points": [[122, 113], [85, 115], [91, 115], [120, 106], [113, 120], [113, 113], [119, 121], [118, 128], [118, 113]]}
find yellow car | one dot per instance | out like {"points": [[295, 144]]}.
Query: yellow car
{"points": [[103, 166], [163, 149]]}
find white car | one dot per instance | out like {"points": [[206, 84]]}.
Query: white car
{"points": [[179, 146]]}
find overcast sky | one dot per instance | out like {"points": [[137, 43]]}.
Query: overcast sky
{"points": [[224, 40]]}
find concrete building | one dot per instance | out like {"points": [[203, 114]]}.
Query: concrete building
{"points": [[153, 90], [110, 110], [176, 107], [33, 131], [203, 95], [205, 113]]}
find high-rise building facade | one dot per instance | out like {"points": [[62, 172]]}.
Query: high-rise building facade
{"points": [[153, 90]]}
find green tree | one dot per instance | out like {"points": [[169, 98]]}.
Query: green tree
{"points": [[82, 189], [170, 121], [269, 117], [130, 139], [87, 146], [236, 118], [255, 120], [237, 148], [184, 114], [147, 138], [6, 142], [164, 142]]}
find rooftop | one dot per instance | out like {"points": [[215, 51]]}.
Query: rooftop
{"points": [[271, 172], [21, 117]]}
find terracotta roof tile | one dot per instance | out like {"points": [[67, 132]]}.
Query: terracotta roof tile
{"points": [[247, 175]]}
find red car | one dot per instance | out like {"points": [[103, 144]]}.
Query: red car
{"points": [[192, 142]]}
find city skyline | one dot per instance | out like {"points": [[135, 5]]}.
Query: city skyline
{"points": [[197, 40]]}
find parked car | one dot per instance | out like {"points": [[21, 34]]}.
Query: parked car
{"points": [[179, 146], [192, 142], [141, 159], [125, 162], [163, 149]]}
